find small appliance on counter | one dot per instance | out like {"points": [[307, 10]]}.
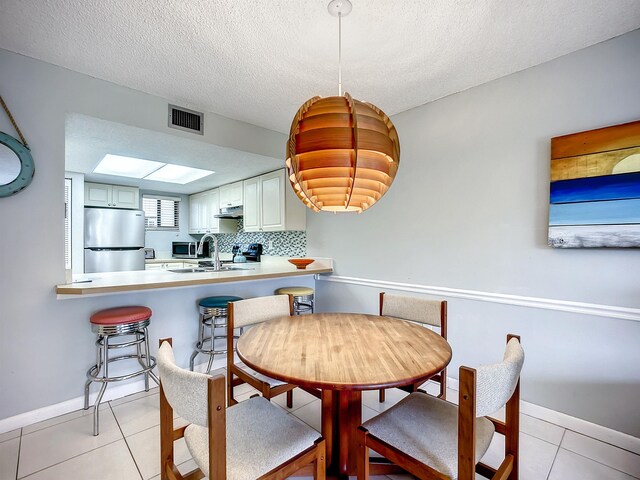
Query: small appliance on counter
{"points": [[149, 253], [251, 252], [188, 250]]}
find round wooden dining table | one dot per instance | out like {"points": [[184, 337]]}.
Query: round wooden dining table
{"points": [[342, 354]]}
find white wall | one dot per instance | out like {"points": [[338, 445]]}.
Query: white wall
{"points": [[469, 210], [46, 344]]}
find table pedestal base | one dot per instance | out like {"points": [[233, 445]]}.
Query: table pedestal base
{"points": [[341, 416]]}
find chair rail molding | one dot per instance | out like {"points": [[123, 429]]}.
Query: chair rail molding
{"points": [[609, 311]]}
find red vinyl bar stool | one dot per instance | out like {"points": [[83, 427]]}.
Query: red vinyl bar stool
{"points": [[119, 322]]}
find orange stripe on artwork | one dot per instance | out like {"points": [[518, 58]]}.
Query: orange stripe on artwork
{"points": [[593, 165]]}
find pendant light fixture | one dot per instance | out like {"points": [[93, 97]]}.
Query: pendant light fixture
{"points": [[342, 154]]}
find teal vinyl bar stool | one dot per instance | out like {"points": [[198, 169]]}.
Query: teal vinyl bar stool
{"points": [[213, 315]]}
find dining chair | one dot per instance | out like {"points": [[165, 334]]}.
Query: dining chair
{"points": [[245, 313], [251, 440], [434, 439], [419, 310]]}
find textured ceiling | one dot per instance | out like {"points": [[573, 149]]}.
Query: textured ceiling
{"points": [[88, 140], [257, 61]]}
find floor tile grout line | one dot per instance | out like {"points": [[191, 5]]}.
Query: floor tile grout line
{"points": [[602, 441], [70, 458], [556, 455], [126, 443], [599, 462], [18, 460]]}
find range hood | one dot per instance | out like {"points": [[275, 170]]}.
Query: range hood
{"points": [[230, 212]]}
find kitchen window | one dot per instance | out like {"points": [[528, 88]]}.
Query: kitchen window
{"points": [[161, 213]]}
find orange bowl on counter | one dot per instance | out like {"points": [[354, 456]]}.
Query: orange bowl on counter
{"points": [[301, 263]]}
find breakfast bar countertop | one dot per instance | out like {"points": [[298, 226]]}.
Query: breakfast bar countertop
{"points": [[118, 282]]}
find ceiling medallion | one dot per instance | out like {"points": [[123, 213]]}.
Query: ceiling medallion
{"points": [[342, 154]]}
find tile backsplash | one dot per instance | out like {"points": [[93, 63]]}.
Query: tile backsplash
{"points": [[286, 244]]}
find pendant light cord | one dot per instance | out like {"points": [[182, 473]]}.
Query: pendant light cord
{"points": [[340, 54]]}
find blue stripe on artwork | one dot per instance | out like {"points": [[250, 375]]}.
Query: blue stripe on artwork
{"points": [[595, 213], [609, 187]]}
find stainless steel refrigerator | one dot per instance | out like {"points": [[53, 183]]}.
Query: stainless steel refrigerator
{"points": [[113, 240]]}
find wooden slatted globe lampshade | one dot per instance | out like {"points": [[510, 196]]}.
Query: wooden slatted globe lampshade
{"points": [[342, 154]]}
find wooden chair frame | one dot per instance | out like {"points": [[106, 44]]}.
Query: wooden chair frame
{"points": [[467, 467], [236, 376], [314, 456], [441, 377]]}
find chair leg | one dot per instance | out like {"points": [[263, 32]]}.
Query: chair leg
{"points": [[230, 399], [362, 460], [290, 399], [381, 395], [320, 464]]}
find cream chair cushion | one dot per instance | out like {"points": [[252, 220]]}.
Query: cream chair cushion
{"points": [[496, 383], [186, 391], [426, 428], [414, 309], [259, 309], [260, 437]]}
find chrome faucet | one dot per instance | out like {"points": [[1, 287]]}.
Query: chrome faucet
{"points": [[217, 265]]}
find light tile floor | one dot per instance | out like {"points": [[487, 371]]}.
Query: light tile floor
{"points": [[128, 444]]}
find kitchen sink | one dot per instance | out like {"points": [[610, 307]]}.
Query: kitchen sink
{"points": [[224, 268]]}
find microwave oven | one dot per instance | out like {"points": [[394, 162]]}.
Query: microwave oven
{"points": [[188, 250]]}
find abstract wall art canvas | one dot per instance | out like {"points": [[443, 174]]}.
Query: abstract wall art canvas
{"points": [[595, 188]]}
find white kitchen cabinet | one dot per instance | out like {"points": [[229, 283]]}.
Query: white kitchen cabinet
{"points": [[202, 208], [115, 196], [231, 195], [251, 208], [270, 205]]}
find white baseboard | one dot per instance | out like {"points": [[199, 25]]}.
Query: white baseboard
{"points": [[578, 425], [112, 392]]}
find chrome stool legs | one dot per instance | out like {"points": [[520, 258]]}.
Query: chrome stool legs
{"points": [[212, 318], [100, 371], [302, 304]]}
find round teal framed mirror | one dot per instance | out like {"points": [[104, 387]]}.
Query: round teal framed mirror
{"points": [[16, 165]]}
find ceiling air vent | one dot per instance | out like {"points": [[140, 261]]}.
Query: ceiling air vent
{"points": [[185, 119]]}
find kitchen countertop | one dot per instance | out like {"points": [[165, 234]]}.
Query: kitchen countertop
{"points": [[117, 282]]}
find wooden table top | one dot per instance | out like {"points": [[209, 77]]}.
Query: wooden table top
{"points": [[344, 351]]}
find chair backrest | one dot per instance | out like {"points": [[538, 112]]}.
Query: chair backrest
{"points": [[414, 309], [496, 383], [186, 391], [259, 309]]}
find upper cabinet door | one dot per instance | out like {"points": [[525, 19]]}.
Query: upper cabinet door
{"points": [[212, 209], [125, 197], [272, 199], [251, 205], [97, 195], [119, 196], [231, 195], [195, 203]]}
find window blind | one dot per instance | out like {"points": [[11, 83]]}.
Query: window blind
{"points": [[161, 213]]}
